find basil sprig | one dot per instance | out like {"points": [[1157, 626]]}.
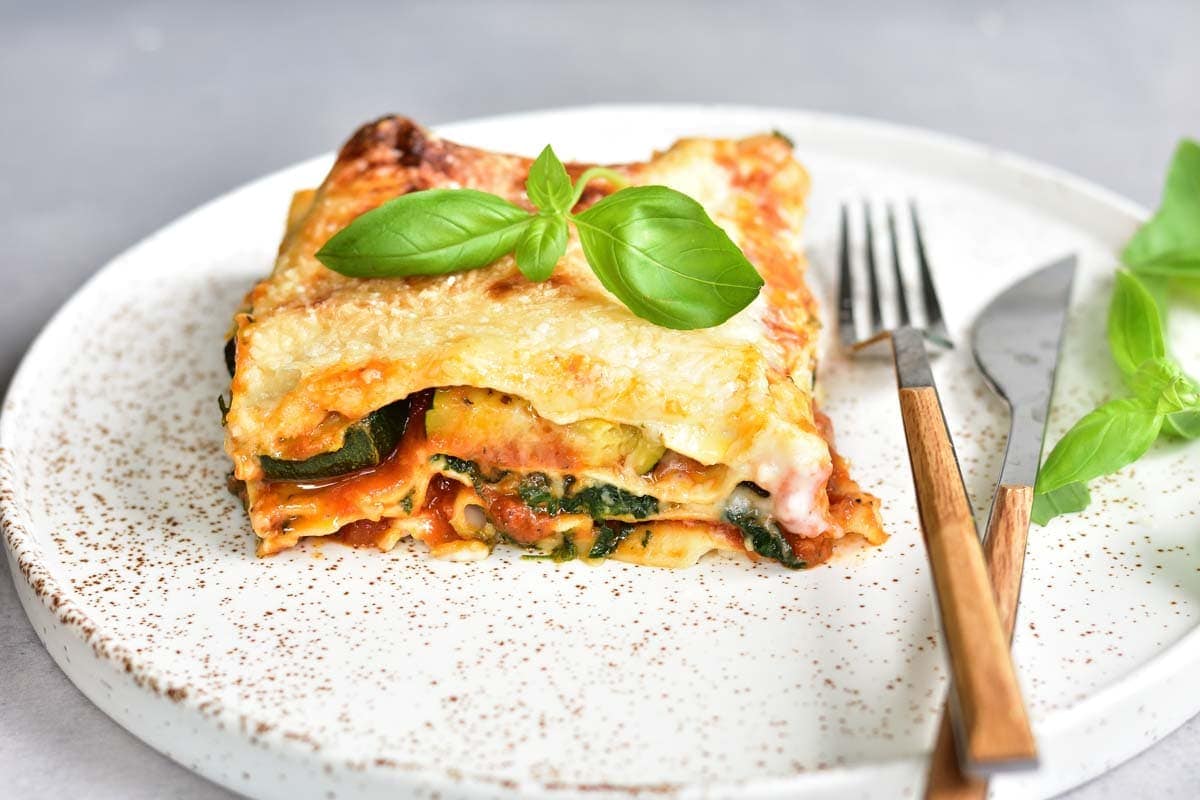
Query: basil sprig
{"points": [[1162, 399], [1169, 244], [653, 247]]}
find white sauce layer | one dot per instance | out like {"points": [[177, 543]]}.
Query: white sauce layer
{"points": [[796, 476]]}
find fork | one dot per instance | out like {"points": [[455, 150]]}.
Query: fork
{"points": [[992, 727]]}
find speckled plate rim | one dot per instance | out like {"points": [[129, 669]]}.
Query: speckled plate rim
{"points": [[1155, 683]]}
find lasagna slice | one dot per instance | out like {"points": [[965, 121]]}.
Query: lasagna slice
{"points": [[470, 409]]}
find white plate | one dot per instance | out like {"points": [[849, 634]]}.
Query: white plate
{"points": [[332, 672]]}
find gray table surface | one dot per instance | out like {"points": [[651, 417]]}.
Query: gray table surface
{"points": [[119, 116]]}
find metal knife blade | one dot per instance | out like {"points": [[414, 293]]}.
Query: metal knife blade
{"points": [[1016, 344]]}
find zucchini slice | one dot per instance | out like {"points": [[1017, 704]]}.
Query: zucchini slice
{"points": [[472, 414], [368, 442]]}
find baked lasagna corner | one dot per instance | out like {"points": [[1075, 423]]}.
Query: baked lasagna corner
{"points": [[471, 409]]}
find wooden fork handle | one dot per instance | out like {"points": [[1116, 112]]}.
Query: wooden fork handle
{"points": [[995, 732], [1004, 551]]}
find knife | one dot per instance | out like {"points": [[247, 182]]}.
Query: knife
{"points": [[1016, 342]]}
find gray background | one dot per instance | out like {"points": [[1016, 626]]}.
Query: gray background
{"points": [[119, 116]]}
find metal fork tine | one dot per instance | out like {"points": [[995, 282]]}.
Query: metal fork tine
{"points": [[846, 327], [901, 288], [872, 272], [935, 325]]}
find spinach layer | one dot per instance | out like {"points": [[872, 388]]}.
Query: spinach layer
{"points": [[762, 535], [599, 500]]}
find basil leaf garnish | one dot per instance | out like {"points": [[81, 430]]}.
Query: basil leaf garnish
{"points": [[1164, 400], [1063, 500], [1135, 332], [541, 246], [1169, 244], [654, 248], [1182, 424], [548, 184], [657, 250], [1160, 384], [427, 233], [1114, 435]]}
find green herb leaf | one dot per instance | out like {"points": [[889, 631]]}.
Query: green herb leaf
{"points": [[1156, 378], [541, 246], [615, 179], [1064, 500], [654, 248], [427, 233], [1135, 331], [1165, 401], [1182, 425], [548, 184], [657, 250], [1169, 244], [1184, 271], [1158, 287], [1111, 437], [1161, 385]]}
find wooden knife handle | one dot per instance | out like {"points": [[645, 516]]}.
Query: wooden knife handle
{"points": [[1004, 550], [995, 727]]}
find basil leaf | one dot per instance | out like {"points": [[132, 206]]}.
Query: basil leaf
{"points": [[657, 250], [1160, 384], [1155, 379], [1169, 244], [427, 233], [1114, 435], [1182, 425], [1166, 400], [1135, 331], [1158, 287], [1063, 500], [548, 184], [541, 246], [1180, 270]]}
